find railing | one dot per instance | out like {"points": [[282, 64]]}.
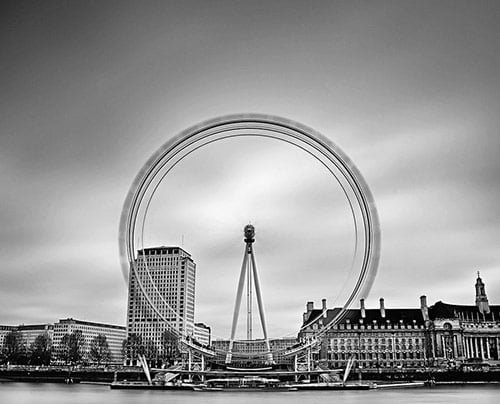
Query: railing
{"points": [[198, 348], [300, 348]]}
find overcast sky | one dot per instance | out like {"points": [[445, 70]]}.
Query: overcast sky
{"points": [[90, 89]]}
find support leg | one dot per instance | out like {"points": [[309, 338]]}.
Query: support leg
{"points": [[237, 305], [261, 307]]}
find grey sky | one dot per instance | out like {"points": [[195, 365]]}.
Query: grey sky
{"points": [[89, 90]]}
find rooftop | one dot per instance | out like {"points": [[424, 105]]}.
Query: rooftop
{"points": [[163, 250]]}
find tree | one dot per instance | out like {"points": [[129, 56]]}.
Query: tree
{"points": [[151, 351], [14, 348], [71, 347], [99, 349], [41, 350], [63, 349], [170, 344], [132, 347]]}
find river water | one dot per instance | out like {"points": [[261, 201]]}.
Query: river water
{"points": [[45, 393]]}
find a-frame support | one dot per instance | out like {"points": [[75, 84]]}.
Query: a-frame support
{"points": [[249, 271]]}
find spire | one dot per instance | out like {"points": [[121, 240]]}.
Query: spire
{"points": [[481, 298]]}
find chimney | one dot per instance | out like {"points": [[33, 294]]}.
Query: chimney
{"points": [[323, 307], [363, 311], [424, 308], [309, 309], [382, 308]]}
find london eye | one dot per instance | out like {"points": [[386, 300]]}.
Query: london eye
{"points": [[338, 165]]}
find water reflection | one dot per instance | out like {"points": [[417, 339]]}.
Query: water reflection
{"points": [[29, 393]]}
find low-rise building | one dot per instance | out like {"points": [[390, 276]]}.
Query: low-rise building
{"points": [[31, 331], [465, 335], [202, 333], [4, 330], [115, 335], [253, 353], [374, 337], [443, 335]]}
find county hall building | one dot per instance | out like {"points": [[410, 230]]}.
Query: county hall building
{"points": [[442, 335]]}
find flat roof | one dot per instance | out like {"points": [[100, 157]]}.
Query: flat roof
{"points": [[91, 323], [163, 248]]}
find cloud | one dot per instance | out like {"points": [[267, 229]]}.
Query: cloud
{"points": [[90, 91]]}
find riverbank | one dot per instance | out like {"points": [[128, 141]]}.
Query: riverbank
{"points": [[70, 375], [108, 375]]}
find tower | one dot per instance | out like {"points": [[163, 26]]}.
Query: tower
{"points": [[481, 298], [167, 275], [249, 271]]}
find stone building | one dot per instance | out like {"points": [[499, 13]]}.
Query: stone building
{"points": [[465, 334], [376, 338], [442, 335]]}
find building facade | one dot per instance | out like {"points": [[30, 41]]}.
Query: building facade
{"points": [[462, 335], [202, 334], [4, 330], [115, 335], [31, 331], [167, 275], [442, 335], [376, 338], [253, 353], [28, 333]]}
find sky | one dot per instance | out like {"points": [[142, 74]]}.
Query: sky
{"points": [[409, 90]]}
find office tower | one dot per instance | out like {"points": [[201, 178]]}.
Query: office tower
{"points": [[167, 276]]}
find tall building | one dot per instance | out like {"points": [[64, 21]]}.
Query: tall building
{"points": [[167, 275], [115, 335]]}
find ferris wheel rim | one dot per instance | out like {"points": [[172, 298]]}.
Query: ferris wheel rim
{"points": [[137, 191]]}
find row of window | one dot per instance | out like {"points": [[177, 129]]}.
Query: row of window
{"points": [[377, 348], [376, 340], [374, 326], [377, 356]]}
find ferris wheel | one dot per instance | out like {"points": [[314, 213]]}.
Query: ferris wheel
{"points": [[357, 194]]}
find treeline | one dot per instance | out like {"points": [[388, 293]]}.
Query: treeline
{"points": [[164, 355], [70, 350]]}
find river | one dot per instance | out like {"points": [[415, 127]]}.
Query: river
{"points": [[48, 393]]}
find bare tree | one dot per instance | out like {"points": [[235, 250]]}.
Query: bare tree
{"points": [[71, 347], [170, 345], [132, 347], [41, 350], [14, 348], [99, 349]]}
